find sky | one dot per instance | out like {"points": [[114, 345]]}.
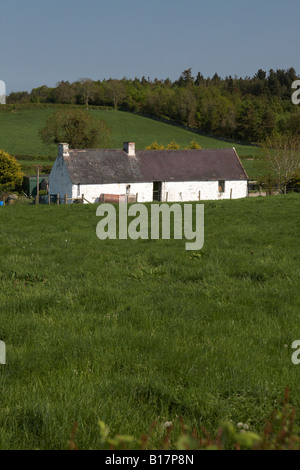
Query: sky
{"points": [[43, 42]]}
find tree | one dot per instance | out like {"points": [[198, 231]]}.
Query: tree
{"points": [[11, 175], [86, 89], [42, 94], [185, 106], [274, 83], [18, 97], [260, 75], [77, 128], [281, 155], [186, 79], [199, 79], [249, 126], [65, 93], [116, 92]]}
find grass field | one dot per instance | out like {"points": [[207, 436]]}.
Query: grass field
{"points": [[19, 135], [131, 332]]}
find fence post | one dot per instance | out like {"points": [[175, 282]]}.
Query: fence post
{"points": [[57, 198], [66, 199], [230, 193], [49, 199], [82, 198], [136, 197], [199, 195]]}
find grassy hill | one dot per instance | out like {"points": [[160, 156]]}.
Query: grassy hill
{"points": [[19, 135], [136, 331]]}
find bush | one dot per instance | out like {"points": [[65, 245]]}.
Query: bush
{"points": [[77, 127], [11, 175]]}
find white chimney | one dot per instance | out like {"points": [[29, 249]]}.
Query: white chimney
{"points": [[129, 148], [63, 149]]}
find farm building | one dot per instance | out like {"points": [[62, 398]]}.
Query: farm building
{"points": [[30, 184], [148, 175]]}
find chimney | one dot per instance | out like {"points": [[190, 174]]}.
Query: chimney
{"points": [[129, 148], [63, 149]]}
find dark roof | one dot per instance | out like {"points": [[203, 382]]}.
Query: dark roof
{"points": [[99, 166]]}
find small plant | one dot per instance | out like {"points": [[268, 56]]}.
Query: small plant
{"points": [[173, 146], [155, 146], [194, 145], [279, 434]]}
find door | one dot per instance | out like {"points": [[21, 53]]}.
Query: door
{"points": [[157, 191]]}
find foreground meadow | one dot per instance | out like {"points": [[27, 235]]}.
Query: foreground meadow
{"points": [[132, 332]]}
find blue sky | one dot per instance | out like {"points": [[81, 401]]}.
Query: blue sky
{"points": [[43, 42]]}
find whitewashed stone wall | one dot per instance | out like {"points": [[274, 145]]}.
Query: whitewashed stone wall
{"points": [[59, 179], [209, 190], [92, 191], [171, 191]]}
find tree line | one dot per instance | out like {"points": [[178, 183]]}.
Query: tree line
{"points": [[248, 109]]}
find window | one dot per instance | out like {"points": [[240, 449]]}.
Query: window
{"points": [[221, 186]]}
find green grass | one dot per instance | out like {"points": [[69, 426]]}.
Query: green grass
{"points": [[19, 132], [132, 332], [255, 168], [19, 136]]}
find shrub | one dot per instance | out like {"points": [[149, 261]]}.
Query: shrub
{"points": [[11, 175]]}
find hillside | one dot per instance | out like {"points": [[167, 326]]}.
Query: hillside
{"points": [[19, 136]]}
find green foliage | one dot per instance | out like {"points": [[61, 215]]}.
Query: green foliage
{"points": [[11, 175], [172, 146], [155, 146], [294, 183], [20, 106], [194, 145], [247, 109], [279, 433], [76, 127], [281, 156]]}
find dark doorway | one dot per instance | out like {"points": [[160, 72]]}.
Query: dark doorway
{"points": [[157, 191]]}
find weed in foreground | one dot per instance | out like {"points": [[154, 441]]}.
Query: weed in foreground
{"points": [[279, 434]]}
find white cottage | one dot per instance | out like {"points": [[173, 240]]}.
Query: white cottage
{"points": [[150, 175]]}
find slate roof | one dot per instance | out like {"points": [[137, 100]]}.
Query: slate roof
{"points": [[98, 166]]}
